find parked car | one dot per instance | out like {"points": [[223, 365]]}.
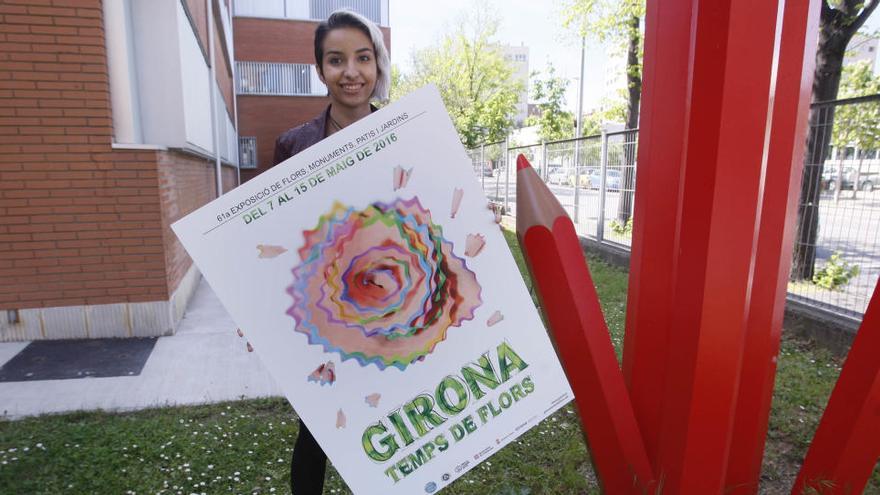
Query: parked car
{"points": [[584, 177], [593, 179], [555, 174], [848, 179]]}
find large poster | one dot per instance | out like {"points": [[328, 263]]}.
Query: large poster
{"points": [[374, 284]]}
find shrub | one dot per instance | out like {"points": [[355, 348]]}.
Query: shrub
{"points": [[836, 273], [622, 229]]}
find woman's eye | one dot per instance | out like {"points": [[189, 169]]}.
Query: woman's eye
{"points": [[334, 61], [365, 58]]}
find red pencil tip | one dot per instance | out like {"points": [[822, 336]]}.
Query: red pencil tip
{"points": [[522, 162]]}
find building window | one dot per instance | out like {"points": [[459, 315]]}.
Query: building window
{"points": [[371, 9], [311, 9], [247, 152], [265, 78]]}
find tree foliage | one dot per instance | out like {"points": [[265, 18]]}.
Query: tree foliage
{"points": [[475, 82], [554, 123], [859, 124], [610, 110], [617, 23]]}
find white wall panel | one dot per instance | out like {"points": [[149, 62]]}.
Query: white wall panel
{"points": [[155, 34], [194, 80]]}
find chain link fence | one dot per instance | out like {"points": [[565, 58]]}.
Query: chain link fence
{"points": [[837, 240], [836, 259]]}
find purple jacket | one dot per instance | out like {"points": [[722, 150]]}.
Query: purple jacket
{"points": [[294, 140]]}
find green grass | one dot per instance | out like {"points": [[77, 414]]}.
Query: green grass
{"points": [[244, 446]]}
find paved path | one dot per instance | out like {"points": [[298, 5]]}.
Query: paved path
{"points": [[204, 362]]}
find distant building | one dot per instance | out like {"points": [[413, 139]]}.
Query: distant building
{"points": [[120, 120], [614, 86], [518, 58], [277, 85], [534, 110]]}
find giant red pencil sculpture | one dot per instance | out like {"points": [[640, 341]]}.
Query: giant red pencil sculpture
{"points": [[568, 297], [785, 154], [847, 443]]}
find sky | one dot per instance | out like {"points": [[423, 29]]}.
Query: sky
{"points": [[536, 24]]}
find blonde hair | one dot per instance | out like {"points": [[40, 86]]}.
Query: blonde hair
{"points": [[347, 18]]}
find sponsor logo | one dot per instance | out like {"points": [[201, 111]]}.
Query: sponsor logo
{"points": [[431, 487], [445, 477], [462, 466]]}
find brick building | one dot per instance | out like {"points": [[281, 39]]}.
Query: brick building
{"points": [[116, 119], [277, 83]]}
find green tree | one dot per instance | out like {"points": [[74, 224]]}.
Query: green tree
{"points": [[856, 125], [554, 123], [617, 22], [839, 20], [475, 82], [611, 110]]}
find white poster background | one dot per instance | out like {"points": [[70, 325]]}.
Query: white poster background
{"points": [[254, 291]]}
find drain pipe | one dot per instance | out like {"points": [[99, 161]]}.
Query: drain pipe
{"points": [[218, 166]]}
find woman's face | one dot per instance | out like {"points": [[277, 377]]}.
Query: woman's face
{"points": [[349, 67]]}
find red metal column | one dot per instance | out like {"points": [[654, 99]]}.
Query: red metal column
{"points": [[663, 125], [791, 106], [734, 43], [847, 444]]}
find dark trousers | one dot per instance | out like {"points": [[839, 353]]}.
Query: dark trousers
{"points": [[308, 464]]}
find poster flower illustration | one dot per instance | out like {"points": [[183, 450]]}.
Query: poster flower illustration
{"points": [[380, 285]]}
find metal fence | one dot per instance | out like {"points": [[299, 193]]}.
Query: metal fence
{"points": [[839, 210], [594, 179], [278, 79]]}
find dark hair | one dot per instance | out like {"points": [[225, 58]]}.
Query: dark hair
{"points": [[338, 19], [345, 18]]}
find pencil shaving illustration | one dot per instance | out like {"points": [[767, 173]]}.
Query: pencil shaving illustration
{"points": [[380, 285], [239, 332], [495, 318], [373, 399], [401, 177], [457, 194], [268, 251], [324, 374], [250, 348], [340, 419], [474, 245]]}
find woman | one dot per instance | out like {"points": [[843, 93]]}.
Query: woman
{"points": [[353, 63]]}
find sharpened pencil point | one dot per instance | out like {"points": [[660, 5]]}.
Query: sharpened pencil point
{"points": [[522, 162]]}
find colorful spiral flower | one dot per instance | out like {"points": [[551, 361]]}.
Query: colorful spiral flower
{"points": [[380, 285]]}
